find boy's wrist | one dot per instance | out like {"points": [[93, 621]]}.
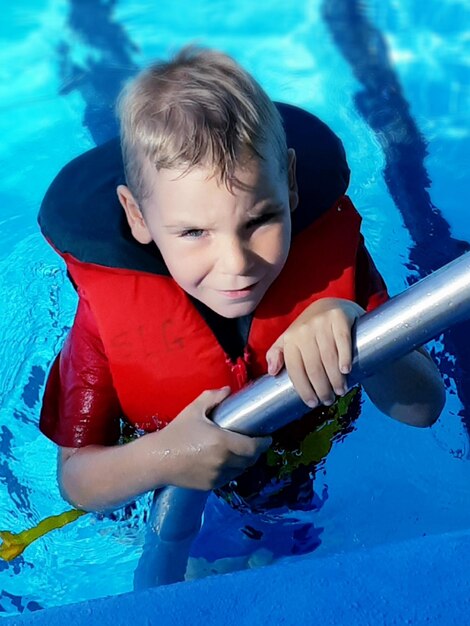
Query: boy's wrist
{"points": [[163, 460]]}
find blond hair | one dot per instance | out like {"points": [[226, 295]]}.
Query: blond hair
{"points": [[199, 109]]}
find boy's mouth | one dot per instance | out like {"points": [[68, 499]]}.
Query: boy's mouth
{"points": [[236, 294]]}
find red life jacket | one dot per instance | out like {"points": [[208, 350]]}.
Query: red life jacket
{"points": [[161, 350], [162, 353]]}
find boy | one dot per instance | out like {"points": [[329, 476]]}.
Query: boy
{"points": [[221, 271]]}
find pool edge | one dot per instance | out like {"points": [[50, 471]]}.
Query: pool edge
{"points": [[390, 584]]}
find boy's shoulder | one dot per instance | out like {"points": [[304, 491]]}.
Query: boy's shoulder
{"points": [[82, 193], [87, 173], [322, 169]]}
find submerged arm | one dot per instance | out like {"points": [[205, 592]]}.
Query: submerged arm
{"points": [[409, 390]]}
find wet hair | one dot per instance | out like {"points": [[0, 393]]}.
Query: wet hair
{"points": [[198, 109]]}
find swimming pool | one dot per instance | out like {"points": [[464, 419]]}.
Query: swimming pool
{"points": [[62, 65]]}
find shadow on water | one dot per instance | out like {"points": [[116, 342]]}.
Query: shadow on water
{"points": [[32, 390], [19, 494], [11, 604], [383, 106], [100, 76]]}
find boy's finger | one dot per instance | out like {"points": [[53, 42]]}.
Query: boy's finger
{"points": [[275, 358], [238, 461], [344, 348], [212, 397], [263, 443], [317, 374], [300, 378], [330, 359], [247, 447]]}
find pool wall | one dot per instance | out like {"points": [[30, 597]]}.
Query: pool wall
{"points": [[424, 581]]}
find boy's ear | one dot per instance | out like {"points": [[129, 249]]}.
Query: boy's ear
{"points": [[134, 215], [292, 180]]}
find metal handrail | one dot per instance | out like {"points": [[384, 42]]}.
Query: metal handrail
{"points": [[394, 329]]}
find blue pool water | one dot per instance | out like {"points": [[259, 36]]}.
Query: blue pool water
{"points": [[62, 63]]}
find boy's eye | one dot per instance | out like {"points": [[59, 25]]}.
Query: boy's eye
{"points": [[192, 233], [263, 219]]}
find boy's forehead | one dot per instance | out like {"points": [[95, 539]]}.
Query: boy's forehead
{"points": [[254, 176], [181, 197]]}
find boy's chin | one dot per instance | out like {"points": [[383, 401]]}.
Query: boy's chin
{"points": [[232, 310], [235, 310]]}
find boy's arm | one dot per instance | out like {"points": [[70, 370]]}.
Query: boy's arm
{"points": [[317, 352], [190, 452], [81, 414], [410, 390]]}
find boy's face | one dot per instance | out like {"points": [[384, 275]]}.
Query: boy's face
{"points": [[224, 247]]}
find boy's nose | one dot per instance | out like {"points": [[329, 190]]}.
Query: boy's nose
{"points": [[234, 257]]}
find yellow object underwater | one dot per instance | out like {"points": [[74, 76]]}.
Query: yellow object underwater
{"points": [[14, 544]]}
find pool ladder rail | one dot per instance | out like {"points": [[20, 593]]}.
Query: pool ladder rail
{"points": [[405, 322]]}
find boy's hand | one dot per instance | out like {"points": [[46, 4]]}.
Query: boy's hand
{"points": [[316, 350], [201, 455]]}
